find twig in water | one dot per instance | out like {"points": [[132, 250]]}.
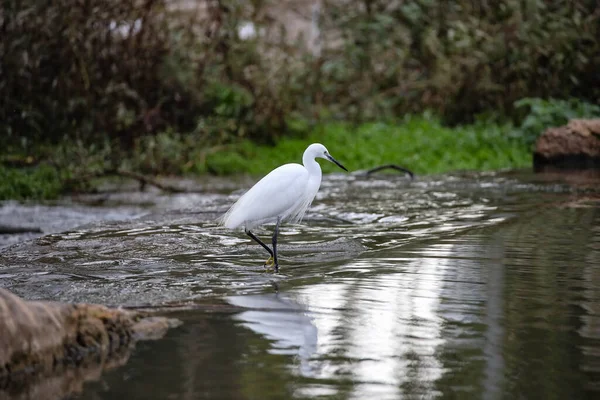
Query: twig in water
{"points": [[146, 180], [143, 179], [391, 166], [11, 230]]}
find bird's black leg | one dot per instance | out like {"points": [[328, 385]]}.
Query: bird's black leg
{"points": [[276, 263], [257, 240]]}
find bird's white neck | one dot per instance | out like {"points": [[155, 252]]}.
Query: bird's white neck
{"points": [[311, 165]]}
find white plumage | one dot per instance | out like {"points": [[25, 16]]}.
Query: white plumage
{"points": [[283, 192], [283, 195]]}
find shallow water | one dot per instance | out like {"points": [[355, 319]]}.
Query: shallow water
{"points": [[459, 286]]}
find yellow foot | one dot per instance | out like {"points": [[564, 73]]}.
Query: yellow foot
{"points": [[269, 264]]}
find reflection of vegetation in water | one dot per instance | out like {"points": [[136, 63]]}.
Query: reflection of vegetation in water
{"points": [[202, 359], [528, 319], [265, 375], [499, 309], [541, 302]]}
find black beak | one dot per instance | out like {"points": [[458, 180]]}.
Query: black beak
{"points": [[333, 160]]}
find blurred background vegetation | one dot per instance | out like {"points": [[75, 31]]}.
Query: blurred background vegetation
{"points": [[184, 86]]}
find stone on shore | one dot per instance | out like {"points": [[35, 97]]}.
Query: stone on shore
{"points": [[43, 342], [573, 146]]}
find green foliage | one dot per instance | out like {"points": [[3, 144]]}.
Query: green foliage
{"points": [[458, 58], [542, 114], [126, 69], [83, 69], [164, 153], [141, 84], [420, 143], [227, 163], [42, 182]]}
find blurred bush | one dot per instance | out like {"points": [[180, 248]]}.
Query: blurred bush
{"points": [[27, 183], [88, 70], [94, 71], [459, 58], [83, 69]]}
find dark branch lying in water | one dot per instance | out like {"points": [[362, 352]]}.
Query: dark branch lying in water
{"points": [[142, 179], [11, 230], [391, 166], [146, 180]]}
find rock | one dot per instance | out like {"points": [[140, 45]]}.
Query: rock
{"points": [[55, 344], [152, 328], [574, 146]]}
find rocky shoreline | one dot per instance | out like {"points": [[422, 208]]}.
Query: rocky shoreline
{"points": [[43, 342]]}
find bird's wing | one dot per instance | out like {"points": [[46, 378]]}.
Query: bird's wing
{"points": [[275, 195]]}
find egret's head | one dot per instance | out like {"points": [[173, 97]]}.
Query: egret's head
{"points": [[318, 150]]}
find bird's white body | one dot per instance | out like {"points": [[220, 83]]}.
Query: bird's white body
{"points": [[286, 193], [283, 195]]}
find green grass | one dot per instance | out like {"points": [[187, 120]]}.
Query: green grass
{"points": [[41, 182], [421, 144]]}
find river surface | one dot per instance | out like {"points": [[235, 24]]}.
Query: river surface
{"points": [[462, 286]]}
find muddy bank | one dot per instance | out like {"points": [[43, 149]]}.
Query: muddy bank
{"points": [[575, 146], [49, 349]]}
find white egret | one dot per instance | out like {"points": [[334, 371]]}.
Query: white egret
{"points": [[283, 195]]}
